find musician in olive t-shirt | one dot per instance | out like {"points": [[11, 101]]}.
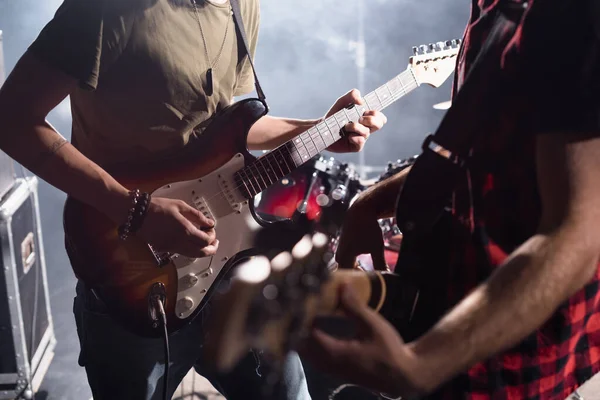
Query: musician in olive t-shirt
{"points": [[142, 74]]}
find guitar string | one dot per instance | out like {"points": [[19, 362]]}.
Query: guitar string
{"points": [[402, 91], [222, 193]]}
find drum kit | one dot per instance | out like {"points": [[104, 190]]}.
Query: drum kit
{"points": [[326, 188]]}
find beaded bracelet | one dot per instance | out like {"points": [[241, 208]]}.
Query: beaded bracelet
{"points": [[136, 214], [139, 214]]}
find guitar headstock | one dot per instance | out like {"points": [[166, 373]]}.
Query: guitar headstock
{"points": [[270, 303], [434, 63]]}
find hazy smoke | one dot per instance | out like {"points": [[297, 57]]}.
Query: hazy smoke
{"points": [[306, 57]]}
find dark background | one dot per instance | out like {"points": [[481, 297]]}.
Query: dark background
{"points": [[305, 59]]}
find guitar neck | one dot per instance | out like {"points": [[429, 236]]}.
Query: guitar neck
{"points": [[273, 166]]}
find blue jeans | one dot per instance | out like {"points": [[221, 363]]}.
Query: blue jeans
{"points": [[123, 366]]}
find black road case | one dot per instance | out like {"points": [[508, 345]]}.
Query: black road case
{"points": [[26, 332]]}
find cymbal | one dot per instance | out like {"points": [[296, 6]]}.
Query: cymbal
{"points": [[443, 106]]}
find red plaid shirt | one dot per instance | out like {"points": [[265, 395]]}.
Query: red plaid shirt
{"points": [[498, 204]]}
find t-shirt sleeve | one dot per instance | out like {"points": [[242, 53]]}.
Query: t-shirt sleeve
{"points": [[251, 15], [558, 47], [72, 40]]}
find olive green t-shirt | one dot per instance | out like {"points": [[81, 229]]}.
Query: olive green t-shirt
{"points": [[142, 68]]}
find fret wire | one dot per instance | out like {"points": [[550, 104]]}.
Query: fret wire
{"points": [[413, 77], [314, 132], [258, 172], [329, 132], [295, 148], [356, 113], [337, 122], [270, 157], [412, 81], [243, 183], [305, 147], [395, 88], [317, 136], [378, 98], [254, 173], [291, 152], [284, 158], [401, 85], [274, 155], [300, 155], [265, 170], [381, 99], [375, 98], [308, 153], [389, 91], [326, 133], [245, 170], [336, 130], [313, 142], [270, 168], [281, 162], [347, 116], [297, 141]]}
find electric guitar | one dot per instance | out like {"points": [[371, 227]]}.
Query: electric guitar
{"points": [[220, 178], [271, 305]]}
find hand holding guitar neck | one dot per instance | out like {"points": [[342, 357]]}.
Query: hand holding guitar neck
{"points": [[271, 305]]}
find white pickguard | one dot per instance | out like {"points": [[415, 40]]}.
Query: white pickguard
{"points": [[217, 197]]}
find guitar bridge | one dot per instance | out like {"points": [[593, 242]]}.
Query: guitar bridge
{"points": [[162, 258]]}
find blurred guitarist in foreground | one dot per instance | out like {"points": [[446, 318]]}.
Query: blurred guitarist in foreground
{"points": [[521, 284], [144, 79]]}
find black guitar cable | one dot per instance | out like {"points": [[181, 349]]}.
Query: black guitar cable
{"points": [[163, 316]]}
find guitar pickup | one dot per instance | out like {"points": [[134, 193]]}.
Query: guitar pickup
{"points": [[231, 193], [202, 206]]}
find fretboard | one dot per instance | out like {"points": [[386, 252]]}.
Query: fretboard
{"points": [[276, 164]]}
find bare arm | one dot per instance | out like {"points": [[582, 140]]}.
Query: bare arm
{"points": [[380, 200], [31, 91], [361, 232], [543, 273], [269, 132]]}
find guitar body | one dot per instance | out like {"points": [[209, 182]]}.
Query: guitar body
{"points": [[123, 273]]}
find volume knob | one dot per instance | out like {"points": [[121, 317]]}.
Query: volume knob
{"points": [[184, 305]]}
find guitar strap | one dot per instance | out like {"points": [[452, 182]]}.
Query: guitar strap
{"points": [[239, 24], [445, 154], [421, 210]]}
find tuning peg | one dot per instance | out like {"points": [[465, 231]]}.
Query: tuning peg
{"points": [[423, 49], [449, 44], [440, 46], [415, 50], [431, 47]]}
